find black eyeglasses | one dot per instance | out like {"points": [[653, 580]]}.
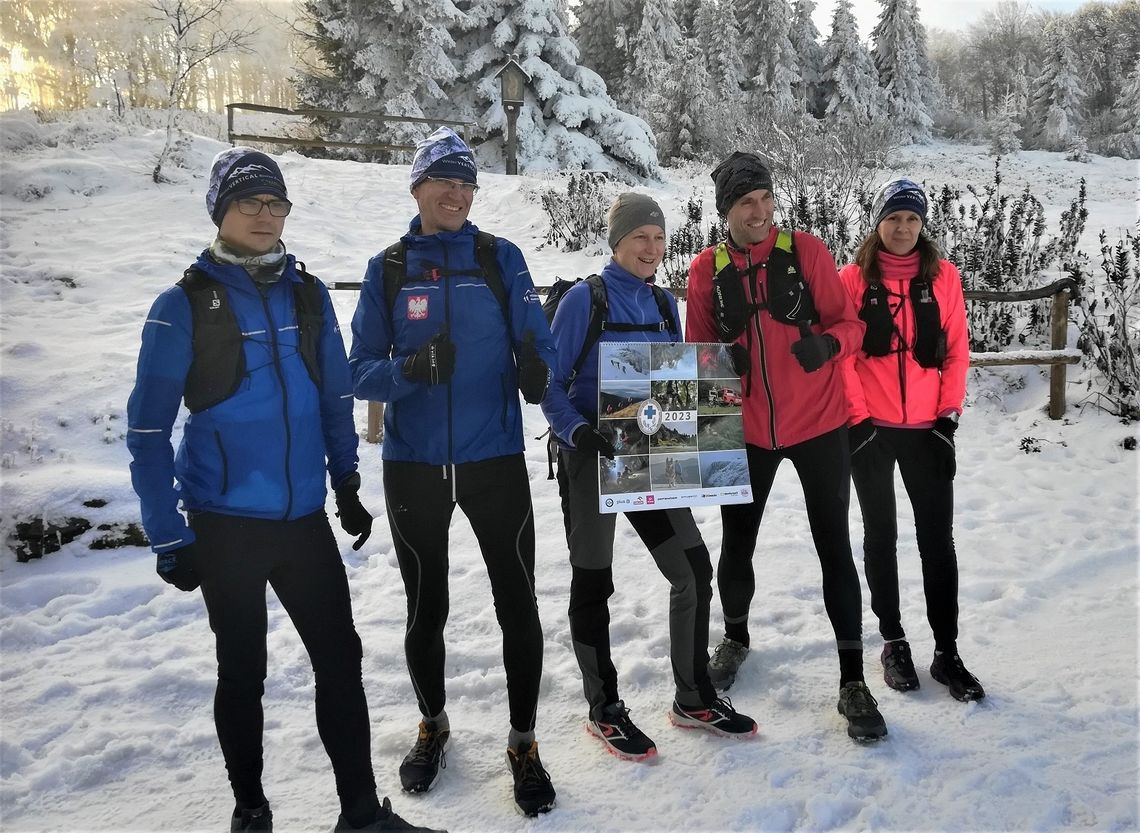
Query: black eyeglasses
{"points": [[465, 187], [252, 207]]}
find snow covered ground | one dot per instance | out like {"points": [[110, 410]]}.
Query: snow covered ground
{"points": [[106, 673]]}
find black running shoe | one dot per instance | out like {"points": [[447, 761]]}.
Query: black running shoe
{"points": [[534, 793], [617, 732], [726, 660], [421, 767], [386, 819], [898, 667], [864, 723], [718, 717], [949, 670], [260, 818]]}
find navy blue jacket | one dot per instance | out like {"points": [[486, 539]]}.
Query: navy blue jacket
{"points": [[631, 301], [261, 453], [476, 415]]}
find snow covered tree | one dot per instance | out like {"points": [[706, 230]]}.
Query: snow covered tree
{"points": [[391, 56], [568, 119], [1003, 129], [850, 82], [1056, 106], [901, 70], [602, 36], [721, 53], [657, 42], [771, 68], [682, 124], [804, 40]]}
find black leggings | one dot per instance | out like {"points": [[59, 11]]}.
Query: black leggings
{"points": [[495, 496], [823, 466], [235, 557], [931, 495]]}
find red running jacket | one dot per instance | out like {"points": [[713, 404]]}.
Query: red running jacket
{"points": [[895, 390], [783, 405]]}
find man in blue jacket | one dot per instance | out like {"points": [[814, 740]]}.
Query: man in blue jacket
{"points": [[448, 345], [250, 341]]}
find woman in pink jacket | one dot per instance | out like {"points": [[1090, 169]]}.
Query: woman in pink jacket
{"points": [[905, 389]]}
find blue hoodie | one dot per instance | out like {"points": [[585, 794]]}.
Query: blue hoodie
{"points": [[476, 415], [262, 452], [630, 301]]}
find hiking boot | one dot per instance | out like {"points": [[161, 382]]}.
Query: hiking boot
{"points": [[949, 670], [718, 717], [260, 818], [898, 667], [617, 732], [385, 819], [421, 767], [864, 723], [534, 793], [726, 660]]}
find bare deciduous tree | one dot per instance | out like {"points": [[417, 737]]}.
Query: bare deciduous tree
{"points": [[192, 34]]}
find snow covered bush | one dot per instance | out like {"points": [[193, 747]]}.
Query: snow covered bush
{"points": [[577, 214], [687, 240], [1110, 329]]}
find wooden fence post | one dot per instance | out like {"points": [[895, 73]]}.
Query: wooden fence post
{"points": [[375, 421], [1059, 325]]}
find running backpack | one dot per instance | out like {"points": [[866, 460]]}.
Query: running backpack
{"points": [[929, 346], [218, 366], [396, 271], [599, 309]]}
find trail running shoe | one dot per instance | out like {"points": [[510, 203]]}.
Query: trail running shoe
{"points": [[898, 667], [534, 793], [618, 733], [726, 660], [260, 818], [421, 767], [386, 819], [949, 670], [864, 723], [718, 717]]}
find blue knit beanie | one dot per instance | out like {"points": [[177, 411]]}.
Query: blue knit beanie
{"points": [[900, 194], [241, 172], [445, 155]]}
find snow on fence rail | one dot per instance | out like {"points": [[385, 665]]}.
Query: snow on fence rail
{"points": [[316, 141], [1061, 291]]}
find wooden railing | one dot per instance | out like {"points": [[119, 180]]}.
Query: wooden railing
{"points": [[317, 141], [1058, 357]]}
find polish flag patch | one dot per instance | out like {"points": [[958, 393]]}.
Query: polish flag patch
{"points": [[417, 307]]}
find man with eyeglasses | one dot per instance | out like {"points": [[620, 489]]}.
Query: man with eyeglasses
{"points": [[250, 341], [447, 332]]}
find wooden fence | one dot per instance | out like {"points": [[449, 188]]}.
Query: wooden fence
{"points": [[1057, 357], [317, 141]]}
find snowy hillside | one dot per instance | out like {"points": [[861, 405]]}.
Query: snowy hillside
{"points": [[106, 673]]}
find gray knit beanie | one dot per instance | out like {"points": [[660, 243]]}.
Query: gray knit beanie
{"points": [[632, 211]]}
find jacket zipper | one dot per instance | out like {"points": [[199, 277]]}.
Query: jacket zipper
{"points": [[447, 329], [761, 352], [284, 394], [225, 462], [903, 348]]}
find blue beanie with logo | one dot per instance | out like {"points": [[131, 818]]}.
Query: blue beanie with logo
{"points": [[445, 155], [900, 194], [241, 172]]}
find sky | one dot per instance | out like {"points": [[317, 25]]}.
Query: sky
{"points": [[935, 14], [107, 674]]}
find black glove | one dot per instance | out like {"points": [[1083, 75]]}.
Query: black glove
{"points": [[589, 439], [433, 363], [741, 359], [534, 375], [812, 351], [354, 518], [177, 567], [942, 440], [860, 435]]}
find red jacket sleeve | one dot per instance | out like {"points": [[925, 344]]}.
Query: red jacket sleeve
{"points": [[851, 276], [837, 314], [699, 323], [952, 305]]}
